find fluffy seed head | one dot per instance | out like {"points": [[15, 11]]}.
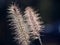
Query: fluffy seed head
{"points": [[33, 22], [17, 23]]}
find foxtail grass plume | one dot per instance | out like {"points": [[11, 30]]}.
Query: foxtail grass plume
{"points": [[33, 22], [17, 23]]}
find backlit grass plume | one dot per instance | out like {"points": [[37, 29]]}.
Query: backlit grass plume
{"points": [[26, 27], [34, 24], [17, 24]]}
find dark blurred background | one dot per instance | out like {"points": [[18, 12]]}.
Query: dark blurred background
{"points": [[49, 11]]}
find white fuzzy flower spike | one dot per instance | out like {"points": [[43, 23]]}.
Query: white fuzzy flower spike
{"points": [[34, 25], [17, 23]]}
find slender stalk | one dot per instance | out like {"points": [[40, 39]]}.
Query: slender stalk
{"points": [[40, 40]]}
